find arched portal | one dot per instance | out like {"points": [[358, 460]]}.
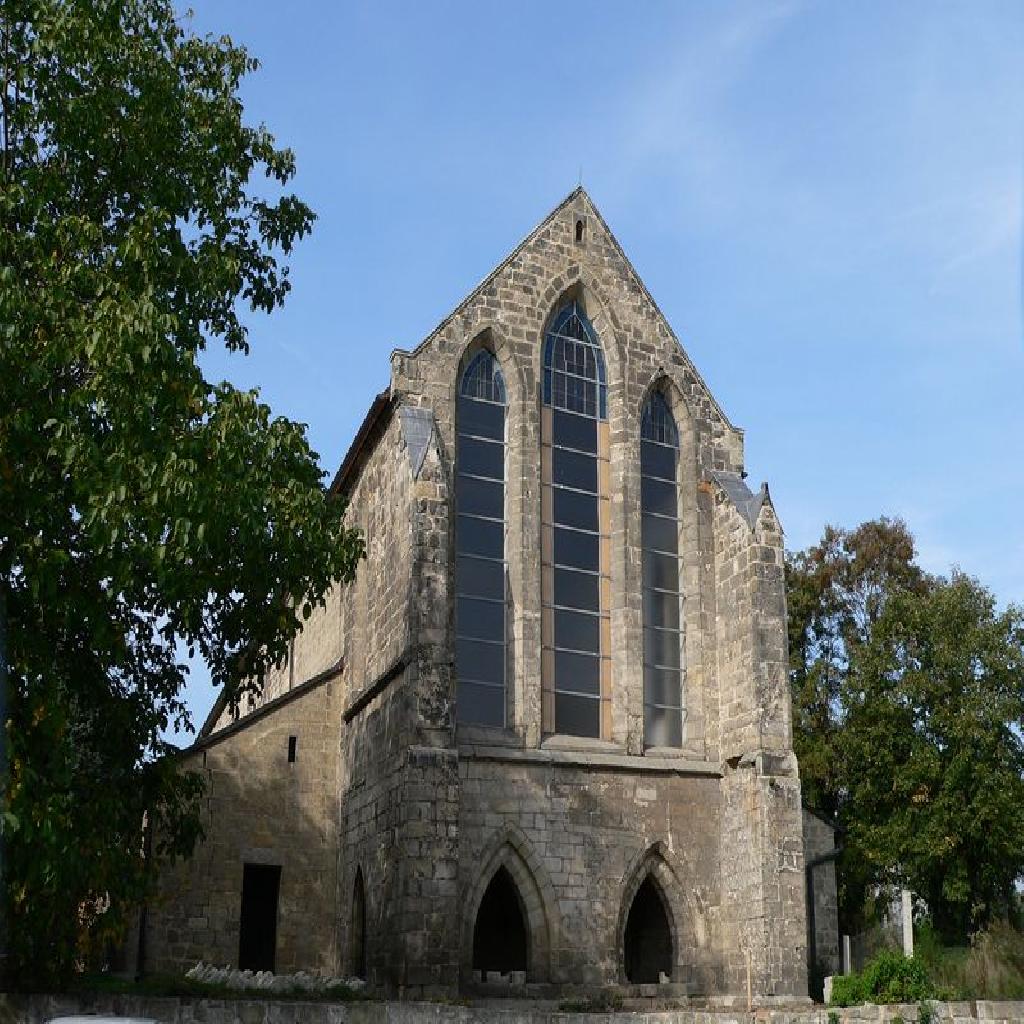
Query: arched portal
{"points": [[500, 940], [357, 933], [647, 945]]}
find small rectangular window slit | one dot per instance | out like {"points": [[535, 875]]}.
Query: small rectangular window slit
{"points": [[291, 749]]}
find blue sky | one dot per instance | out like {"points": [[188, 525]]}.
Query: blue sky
{"points": [[824, 198]]}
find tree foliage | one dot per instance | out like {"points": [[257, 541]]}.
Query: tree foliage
{"points": [[143, 509], [908, 694]]}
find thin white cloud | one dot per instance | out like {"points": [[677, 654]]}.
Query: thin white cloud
{"points": [[674, 114]]}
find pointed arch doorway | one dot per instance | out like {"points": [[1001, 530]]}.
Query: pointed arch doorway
{"points": [[500, 934], [510, 914], [647, 946]]}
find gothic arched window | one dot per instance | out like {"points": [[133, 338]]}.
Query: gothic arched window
{"points": [[662, 597], [575, 525], [480, 596]]}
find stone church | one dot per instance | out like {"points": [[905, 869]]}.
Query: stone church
{"points": [[542, 744]]}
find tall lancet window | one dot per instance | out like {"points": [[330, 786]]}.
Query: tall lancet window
{"points": [[480, 659], [575, 529], [663, 601]]}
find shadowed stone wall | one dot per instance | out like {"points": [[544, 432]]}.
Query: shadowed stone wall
{"points": [[260, 809], [819, 838]]}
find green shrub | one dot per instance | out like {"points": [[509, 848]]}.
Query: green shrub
{"points": [[889, 978], [847, 990], [895, 978]]}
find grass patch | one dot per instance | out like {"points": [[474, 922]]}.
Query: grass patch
{"points": [[992, 967]]}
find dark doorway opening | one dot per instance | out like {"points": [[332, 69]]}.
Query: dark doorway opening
{"points": [[499, 936], [357, 945], [648, 939], [257, 931]]}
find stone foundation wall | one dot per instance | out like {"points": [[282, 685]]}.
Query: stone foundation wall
{"points": [[39, 1009]]}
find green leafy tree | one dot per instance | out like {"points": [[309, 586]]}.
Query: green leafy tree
{"points": [[143, 509], [908, 694], [933, 752], [836, 591]]}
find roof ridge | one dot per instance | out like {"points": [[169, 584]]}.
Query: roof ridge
{"points": [[664, 319], [577, 191]]}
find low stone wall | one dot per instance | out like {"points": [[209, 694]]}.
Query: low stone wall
{"points": [[39, 1009]]}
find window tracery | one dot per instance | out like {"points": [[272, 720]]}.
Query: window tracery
{"points": [[662, 596], [480, 576], [575, 530]]}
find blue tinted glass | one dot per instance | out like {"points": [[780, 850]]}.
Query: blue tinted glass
{"points": [[480, 661], [577, 716], [574, 469], [662, 534], [577, 589], [661, 609], [481, 458], [571, 508], [661, 648], [657, 460], [578, 673], [574, 431], [577, 550], [577, 631], [479, 537], [483, 379], [481, 418], [480, 705], [574, 371], [480, 497], [481, 620], [658, 496], [657, 422], [479, 577]]}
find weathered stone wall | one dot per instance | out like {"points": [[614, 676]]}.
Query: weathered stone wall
{"points": [[819, 838], [762, 840], [259, 809], [400, 785], [373, 627], [734, 613], [579, 832], [426, 806], [508, 314]]}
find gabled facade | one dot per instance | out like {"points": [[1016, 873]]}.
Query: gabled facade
{"points": [[544, 739]]}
